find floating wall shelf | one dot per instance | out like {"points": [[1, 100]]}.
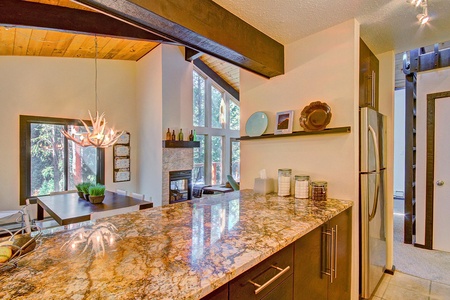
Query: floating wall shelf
{"points": [[346, 129], [180, 144]]}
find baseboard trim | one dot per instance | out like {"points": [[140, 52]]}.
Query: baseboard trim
{"points": [[421, 246], [391, 271]]}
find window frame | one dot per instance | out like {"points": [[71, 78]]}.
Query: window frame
{"points": [[25, 152], [208, 131]]}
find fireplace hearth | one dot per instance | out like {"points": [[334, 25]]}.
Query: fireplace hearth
{"points": [[180, 186]]}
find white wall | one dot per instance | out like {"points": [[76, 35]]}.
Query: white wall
{"points": [[149, 90], [323, 67], [177, 90], [61, 87], [427, 83], [164, 100], [399, 145], [386, 107]]}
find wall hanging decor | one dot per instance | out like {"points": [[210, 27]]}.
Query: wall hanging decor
{"points": [[284, 121], [121, 158]]}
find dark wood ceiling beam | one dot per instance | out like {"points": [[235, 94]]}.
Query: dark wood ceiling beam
{"points": [[214, 76], [29, 14], [201, 25], [191, 55]]}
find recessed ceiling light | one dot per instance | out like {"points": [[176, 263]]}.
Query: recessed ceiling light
{"points": [[423, 18]]}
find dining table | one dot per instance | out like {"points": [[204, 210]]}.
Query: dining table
{"points": [[69, 208]]}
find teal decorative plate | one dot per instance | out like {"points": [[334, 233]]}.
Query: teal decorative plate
{"points": [[257, 124]]}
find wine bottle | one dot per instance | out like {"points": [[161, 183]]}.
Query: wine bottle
{"points": [[191, 136], [195, 136], [180, 135], [168, 135], [173, 135]]}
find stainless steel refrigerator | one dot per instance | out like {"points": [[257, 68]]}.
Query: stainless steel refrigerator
{"points": [[372, 199]]}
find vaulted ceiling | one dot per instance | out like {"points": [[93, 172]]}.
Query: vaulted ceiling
{"points": [[385, 25]]}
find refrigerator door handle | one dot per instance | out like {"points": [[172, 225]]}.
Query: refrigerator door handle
{"points": [[378, 173]]}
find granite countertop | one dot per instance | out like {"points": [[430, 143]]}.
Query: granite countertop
{"points": [[178, 251]]}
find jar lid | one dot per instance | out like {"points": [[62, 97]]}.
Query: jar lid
{"points": [[319, 183], [302, 177], [285, 170]]}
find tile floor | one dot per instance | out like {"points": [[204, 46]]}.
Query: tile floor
{"points": [[402, 286]]}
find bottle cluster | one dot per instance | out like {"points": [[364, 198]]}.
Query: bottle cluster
{"points": [[171, 136]]}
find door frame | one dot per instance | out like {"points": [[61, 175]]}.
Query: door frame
{"points": [[418, 61], [429, 188]]}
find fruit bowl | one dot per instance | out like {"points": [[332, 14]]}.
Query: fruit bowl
{"points": [[18, 244]]}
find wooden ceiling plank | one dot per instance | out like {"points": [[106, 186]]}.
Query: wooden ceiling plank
{"points": [[75, 45], [112, 43], [63, 44], [114, 51], [31, 14], [51, 39], [86, 49], [145, 51], [200, 25], [136, 48], [22, 40], [125, 51], [7, 36], [37, 39]]}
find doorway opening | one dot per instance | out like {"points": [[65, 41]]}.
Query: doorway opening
{"points": [[409, 257]]}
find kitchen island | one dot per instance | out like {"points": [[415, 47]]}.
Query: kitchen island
{"points": [[178, 251]]}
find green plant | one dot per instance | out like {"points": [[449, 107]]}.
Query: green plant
{"points": [[79, 187], [97, 190], [84, 187]]}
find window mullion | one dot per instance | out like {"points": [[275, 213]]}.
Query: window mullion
{"points": [[66, 160]]}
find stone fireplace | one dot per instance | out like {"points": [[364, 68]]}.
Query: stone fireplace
{"points": [[174, 159]]}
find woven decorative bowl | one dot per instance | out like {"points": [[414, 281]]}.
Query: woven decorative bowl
{"points": [[96, 199]]}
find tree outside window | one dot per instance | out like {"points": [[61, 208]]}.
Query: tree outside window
{"points": [[50, 163], [216, 118]]}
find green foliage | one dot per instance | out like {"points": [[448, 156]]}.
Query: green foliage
{"points": [[97, 190], [84, 187], [235, 113], [199, 100]]}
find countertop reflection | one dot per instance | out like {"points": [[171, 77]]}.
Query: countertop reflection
{"points": [[178, 251]]}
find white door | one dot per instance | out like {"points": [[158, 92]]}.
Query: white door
{"points": [[441, 222]]}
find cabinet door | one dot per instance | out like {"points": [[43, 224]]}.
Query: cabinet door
{"points": [[340, 288], [368, 77], [268, 275], [219, 294], [282, 292], [309, 261]]}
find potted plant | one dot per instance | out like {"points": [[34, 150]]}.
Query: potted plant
{"points": [[96, 193], [79, 188], [84, 186]]}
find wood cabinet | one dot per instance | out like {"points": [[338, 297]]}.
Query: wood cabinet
{"points": [[322, 261], [299, 271], [368, 77], [270, 279]]}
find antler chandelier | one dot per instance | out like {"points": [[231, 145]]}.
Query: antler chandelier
{"points": [[99, 136]]}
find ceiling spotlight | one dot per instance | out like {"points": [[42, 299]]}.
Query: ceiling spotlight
{"points": [[423, 17], [414, 2]]}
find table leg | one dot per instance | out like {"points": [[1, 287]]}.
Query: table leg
{"points": [[40, 212]]}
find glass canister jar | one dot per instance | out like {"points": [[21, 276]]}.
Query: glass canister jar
{"points": [[284, 182], [302, 186], [319, 190]]}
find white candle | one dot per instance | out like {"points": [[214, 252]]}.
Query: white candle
{"points": [[284, 185], [301, 189]]}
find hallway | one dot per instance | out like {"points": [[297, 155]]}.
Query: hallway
{"points": [[428, 264]]}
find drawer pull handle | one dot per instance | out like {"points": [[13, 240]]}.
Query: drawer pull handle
{"points": [[262, 287]]}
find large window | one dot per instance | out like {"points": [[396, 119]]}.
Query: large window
{"points": [[216, 118], [49, 163]]}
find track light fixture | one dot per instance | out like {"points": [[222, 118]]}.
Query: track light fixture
{"points": [[422, 17]]}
